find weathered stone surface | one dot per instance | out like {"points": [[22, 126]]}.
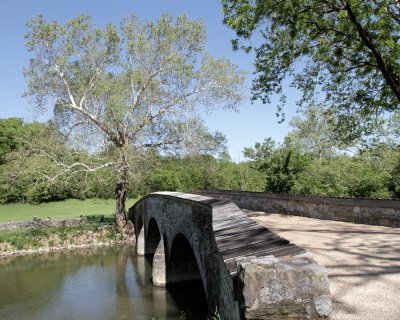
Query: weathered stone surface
{"points": [[170, 220], [182, 232], [271, 288]]}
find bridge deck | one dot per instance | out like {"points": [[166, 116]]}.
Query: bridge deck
{"points": [[237, 235], [363, 262]]}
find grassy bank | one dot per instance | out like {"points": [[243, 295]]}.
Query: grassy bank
{"points": [[29, 240], [71, 208]]}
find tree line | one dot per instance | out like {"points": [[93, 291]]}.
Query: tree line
{"points": [[312, 161], [307, 162], [31, 155]]}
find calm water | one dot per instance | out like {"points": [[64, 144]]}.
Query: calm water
{"points": [[100, 283]]}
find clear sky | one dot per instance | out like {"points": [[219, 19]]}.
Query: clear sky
{"points": [[252, 123]]}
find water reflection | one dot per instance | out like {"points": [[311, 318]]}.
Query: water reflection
{"points": [[100, 283]]}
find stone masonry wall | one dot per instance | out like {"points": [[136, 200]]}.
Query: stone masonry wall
{"points": [[373, 212], [38, 223], [190, 216]]}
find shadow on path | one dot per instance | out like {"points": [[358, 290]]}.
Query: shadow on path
{"points": [[363, 262]]}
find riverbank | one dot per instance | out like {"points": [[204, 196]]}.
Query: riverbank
{"points": [[40, 240]]}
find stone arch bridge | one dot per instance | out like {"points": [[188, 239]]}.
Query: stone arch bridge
{"points": [[194, 237]]}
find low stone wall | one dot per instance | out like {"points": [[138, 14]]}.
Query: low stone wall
{"points": [[365, 211], [38, 223]]}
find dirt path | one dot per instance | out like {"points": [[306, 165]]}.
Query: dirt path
{"points": [[363, 262]]}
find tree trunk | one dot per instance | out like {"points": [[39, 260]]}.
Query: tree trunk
{"points": [[121, 192]]}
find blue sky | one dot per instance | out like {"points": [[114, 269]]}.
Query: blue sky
{"points": [[252, 123]]}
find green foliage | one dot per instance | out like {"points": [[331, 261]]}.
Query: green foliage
{"points": [[343, 176], [371, 173], [394, 173], [31, 171], [284, 169], [347, 52], [312, 161], [101, 185], [26, 238], [203, 172], [10, 130], [313, 132], [241, 176], [394, 183], [323, 178], [280, 165], [133, 86], [189, 173], [165, 179], [45, 192]]}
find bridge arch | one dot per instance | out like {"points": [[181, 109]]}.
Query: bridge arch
{"points": [[186, 249], [153, 236], [182, 264], [182, 267]]}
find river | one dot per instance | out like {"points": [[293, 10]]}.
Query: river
{"points": [[108, 283]]}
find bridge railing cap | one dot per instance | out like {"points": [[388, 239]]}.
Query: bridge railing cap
{"points": [[187, 196]]}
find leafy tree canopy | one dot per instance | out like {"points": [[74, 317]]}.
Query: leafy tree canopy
{"points": [[128, 88], [313, 133], [348, 50]]}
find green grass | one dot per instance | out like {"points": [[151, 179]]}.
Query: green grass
{"points": [[71, 208], [29, 238], [36, 238]]}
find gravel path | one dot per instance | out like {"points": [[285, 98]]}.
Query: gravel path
{"points": [[363, 262]]}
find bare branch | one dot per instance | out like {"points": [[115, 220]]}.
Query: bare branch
{"points": [[84, 111], [92, 82], [71, 169]]}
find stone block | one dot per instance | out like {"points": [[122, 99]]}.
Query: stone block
{"points": [[272, 288], [385, 222]]}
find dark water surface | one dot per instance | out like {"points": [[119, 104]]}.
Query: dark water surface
{"points": [[97, 283]]}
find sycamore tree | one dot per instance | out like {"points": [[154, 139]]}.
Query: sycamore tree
{"points": [[346, 52], [128, 88]]}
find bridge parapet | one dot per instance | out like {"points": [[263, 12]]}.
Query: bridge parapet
{"points": [[198, 237]]}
